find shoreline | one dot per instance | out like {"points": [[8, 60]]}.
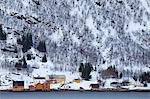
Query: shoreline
{"points": [[66, 90]]}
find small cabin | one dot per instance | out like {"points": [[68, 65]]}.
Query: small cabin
{"points": [[77, 80], [43, 86], [18, 85], [31, 88], [95, 86], [58, 78]]}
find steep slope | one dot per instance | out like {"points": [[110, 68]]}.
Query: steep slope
{"points": [[68, 32]]}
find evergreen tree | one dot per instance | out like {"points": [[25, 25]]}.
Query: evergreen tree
{"points": [[120, 76], [19, 41], [1, 30], [81, 68], [85, 69], [44, 59], [42, 46], [145, 77], [24, 63], [18, 65], [2, 34], [26, 42], [28, 57], [29, 40]]}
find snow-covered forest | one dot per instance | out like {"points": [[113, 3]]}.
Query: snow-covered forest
{"points": [[58, 35]]}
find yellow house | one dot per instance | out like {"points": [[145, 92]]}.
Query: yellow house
{"points": [[39, 86], [42, 86], [18, 86], [76, 80], [58, 78]]}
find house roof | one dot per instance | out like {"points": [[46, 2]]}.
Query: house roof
{"points": [[39, 77], [18, 83], [56, 76], [39, 84], [76, 79], [94, 85], [31, 86]]}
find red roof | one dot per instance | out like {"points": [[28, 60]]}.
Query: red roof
{"points": [[31, 86], [94, 85]]}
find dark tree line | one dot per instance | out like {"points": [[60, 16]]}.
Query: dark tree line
{"points": [[26, 41], [145, 77], [85, 69]]}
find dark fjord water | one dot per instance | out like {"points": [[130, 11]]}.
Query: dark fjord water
{"points": [[75, 95]]}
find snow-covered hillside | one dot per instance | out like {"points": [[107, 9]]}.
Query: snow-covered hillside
{"points": [[40, 37]]}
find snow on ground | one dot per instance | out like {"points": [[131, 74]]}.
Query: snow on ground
{"points": [[85, 85], [94, 76], [137, 26], [55, 86], [138, 88], [25, 2], [57, 36], [68, 83], [145, 4], [108, 83], [43, 72], [45, 69], [6, 87], [75, 39], [90, 24]]}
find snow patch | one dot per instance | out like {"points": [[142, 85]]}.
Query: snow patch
{"points": [[57, 36]]}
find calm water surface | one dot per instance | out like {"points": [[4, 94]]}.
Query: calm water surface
{"points": [[75, 95]]}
